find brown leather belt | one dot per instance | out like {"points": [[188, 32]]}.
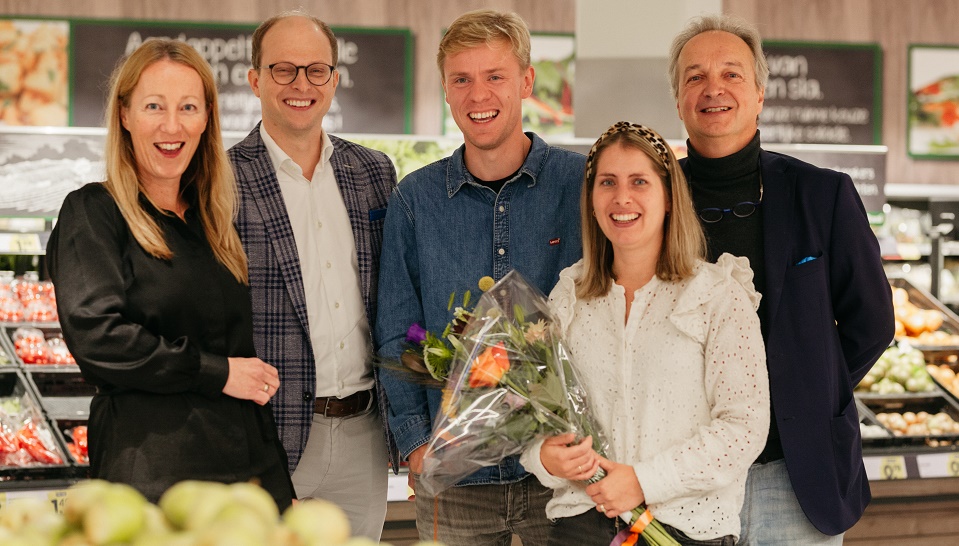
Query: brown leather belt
{"points": [[357, 402]]}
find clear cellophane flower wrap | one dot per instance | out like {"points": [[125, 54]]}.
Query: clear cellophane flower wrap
{"points": [[512, 382]]}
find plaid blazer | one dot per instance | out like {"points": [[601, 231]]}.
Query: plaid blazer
{"points": [[281, 334]]}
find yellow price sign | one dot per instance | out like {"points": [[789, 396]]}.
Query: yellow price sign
{"points": [[25, 242], [57, 497], [892, 468], [952, 465]]}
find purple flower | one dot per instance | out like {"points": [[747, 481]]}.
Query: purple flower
{"points": [[416, 334]]}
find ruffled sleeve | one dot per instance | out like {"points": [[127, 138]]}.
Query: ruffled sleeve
{"points": [[562, 300], [729, 271]]}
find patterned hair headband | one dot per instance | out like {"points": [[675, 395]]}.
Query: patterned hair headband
{"points": [[644, 132]]}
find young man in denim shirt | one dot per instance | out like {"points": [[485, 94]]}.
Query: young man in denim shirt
{"points": [[504, 200]]}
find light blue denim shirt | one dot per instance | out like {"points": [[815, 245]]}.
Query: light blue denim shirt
{"points": [[443, 233]]}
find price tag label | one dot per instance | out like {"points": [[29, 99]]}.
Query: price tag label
{"points": [[938, 465], [26, 242], [20, 242], [58, 498], [885, 468], [892, 468], [55, 497]]}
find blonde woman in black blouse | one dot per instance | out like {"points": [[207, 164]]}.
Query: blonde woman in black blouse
{"points": [[152, 291]]}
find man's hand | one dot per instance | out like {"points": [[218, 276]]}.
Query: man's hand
{"points": [[416, 467]]}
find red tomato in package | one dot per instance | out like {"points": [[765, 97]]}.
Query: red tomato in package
{"points": [[30, 440], [79, 434]]}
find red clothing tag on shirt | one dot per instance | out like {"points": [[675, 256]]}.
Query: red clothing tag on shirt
{"points": [[554, 242]]}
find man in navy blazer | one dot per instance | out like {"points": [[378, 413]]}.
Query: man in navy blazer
{"points": [[826, 311], [311, 221]]}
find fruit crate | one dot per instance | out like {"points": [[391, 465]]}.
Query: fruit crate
{"points": [[950, 321], [64, 394], [874, 432], [9, 335], [7, 361], [931, 404], [62, 428], [29, 448]]}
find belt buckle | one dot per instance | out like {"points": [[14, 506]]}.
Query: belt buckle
{"points": [[369, 403], [326, 406]]}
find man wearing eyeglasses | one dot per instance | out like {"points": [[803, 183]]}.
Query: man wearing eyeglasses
{"points": [[311, 221], [826, 312]]}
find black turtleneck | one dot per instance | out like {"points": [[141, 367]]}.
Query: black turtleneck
{"points": [[722, 183]]}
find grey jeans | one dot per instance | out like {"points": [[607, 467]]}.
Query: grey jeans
{"points": [[485, 515]]}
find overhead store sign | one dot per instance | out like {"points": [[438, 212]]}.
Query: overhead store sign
{"points": [[375, 93], [866, 165], [822, 93]]}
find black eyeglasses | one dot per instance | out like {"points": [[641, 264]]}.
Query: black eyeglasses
{"points": [[739, 210], [316, 73]]}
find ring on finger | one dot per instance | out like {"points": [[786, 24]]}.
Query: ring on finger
{"points": [[266, 387], [602, 507], [579, 468]]}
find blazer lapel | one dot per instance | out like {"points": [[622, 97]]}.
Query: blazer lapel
{"points": [[779, 187], [265, 190]]}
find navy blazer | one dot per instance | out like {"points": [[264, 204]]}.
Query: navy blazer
{"points": [[281, 334], [829, 319]]}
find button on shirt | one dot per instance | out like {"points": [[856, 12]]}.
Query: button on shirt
{"points": [[339, 330]]}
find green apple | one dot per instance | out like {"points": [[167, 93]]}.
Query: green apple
{"points": [[318, 521], [211, 498], [82, 496], [177, 501], [118, 515], [27, 513], [226, 534], [258, 500], [76, 538], [155, 522]]}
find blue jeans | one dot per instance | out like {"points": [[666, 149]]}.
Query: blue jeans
{"points": [[485, 515], [771, 514]]}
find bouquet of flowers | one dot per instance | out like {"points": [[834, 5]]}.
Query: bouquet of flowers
{"points": [[511, 382], [430, 357]]}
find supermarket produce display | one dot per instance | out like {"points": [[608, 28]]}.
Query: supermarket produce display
{"points": [[191, 513], [908, 402], [44, 401]]}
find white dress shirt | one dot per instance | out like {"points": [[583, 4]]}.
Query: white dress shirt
{"points": [[681, 391], [339, 329]]}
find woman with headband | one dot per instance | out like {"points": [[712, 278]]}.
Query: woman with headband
{"points": [[670, 352]]}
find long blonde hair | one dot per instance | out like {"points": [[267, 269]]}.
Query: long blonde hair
{"points": [[209, 170], [684, 244]]}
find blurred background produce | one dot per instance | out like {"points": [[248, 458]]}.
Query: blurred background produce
{"points": [[33, 73], [900, 369], [191, 513]]}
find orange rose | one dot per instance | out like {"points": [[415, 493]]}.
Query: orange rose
{"points": [[489, 367]]}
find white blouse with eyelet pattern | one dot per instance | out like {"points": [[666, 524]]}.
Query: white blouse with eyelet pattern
{"points": [[681, 391]]}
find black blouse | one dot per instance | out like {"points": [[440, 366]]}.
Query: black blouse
{"points": [[153, 336]]}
